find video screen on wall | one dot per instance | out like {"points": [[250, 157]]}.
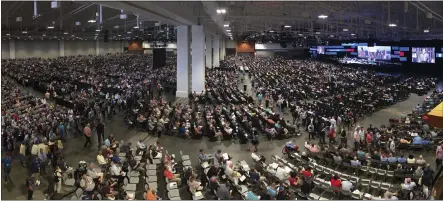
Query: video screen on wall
{"points": [[320, 49], [374, 53], [423, 55]]}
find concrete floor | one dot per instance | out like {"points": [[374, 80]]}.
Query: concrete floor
{"points": [[75, 152]]}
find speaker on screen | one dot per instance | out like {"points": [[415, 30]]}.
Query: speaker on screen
{"points": [[159, 57]]}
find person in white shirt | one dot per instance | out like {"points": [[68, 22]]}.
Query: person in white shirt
{"points": [[408, 185], [115, 170], [346, 185], [333, 122], [141, 145], [281, 173]]}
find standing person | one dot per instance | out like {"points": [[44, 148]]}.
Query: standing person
{"points": [[343, 138], [87, 133], [30, 184], [100, 132], [439, 155], [62, 131], [23, 154], [7, 163], [254, 141], [57, 179], [259, 98], [311, 131], [43, 162]]}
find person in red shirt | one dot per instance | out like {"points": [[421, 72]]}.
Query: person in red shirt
{"points": [[336, 183], [307, 172], [369, 139], [172, 177], [293, 179]]}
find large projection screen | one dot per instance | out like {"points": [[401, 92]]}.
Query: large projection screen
{"points": [[375, 53], [423, 55]]}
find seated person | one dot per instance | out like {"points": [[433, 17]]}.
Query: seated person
{"points": [[101, 159], [141, 145], [336, 182], [255, 176], [108, 189], [281, 173], [314, 149], [417, 140], [392, 159], [194, 185], [87, 183], [355, 162], [420, 160], [411, 159], [337, 158], [137, 166], [224, 192], [404, 141], [231, 173], [401, 159], [252, 195], [347, 186], [294, 180], [151, 194], [93, 174], [272, 189], [408, 185], [202, 157], [171, 176]]}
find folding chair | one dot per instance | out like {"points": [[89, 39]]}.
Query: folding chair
{"points": [[79, 193], [184, 157], [364, 183], [173, 193], [375, 185], [372, 171], [385, 186]]}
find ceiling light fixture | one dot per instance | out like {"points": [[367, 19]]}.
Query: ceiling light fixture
{"points": [[91, 21], [271, 31], [97, 30], [25, 32], [8, 34], [345, 29], [136, 27], [66, 33], [322, 16], [392, 25], [352, 34], [77, 23], [228, 30], [119, 35], [226, 25], [50, 27], [287, 26], [129, 32], [426, 30], [221, 11]]}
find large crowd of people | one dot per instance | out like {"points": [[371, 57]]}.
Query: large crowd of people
{"points": [[326, 100]]}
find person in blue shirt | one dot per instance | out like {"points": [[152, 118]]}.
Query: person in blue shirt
{"points": [[251, 195], [115, 158], [417, 140], [254, 175], [361, 154], [392, 159], [202, 156], [383, 159], [272, 190], [401, 159], [62, 131], [259, 98], [7, 166], [35, 165], [277, 125]]}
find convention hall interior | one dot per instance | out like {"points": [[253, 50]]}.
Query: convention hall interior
{"points": [[221, 100]]}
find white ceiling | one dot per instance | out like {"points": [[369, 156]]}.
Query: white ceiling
{"points": [[362, 18]]}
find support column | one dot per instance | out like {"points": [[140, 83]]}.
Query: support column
{"points": [[208, 50], [216, 52], [198, 59], [11, 49], [183, 55], [220, 51], [224, 48], [97, 47], [61, 47]]}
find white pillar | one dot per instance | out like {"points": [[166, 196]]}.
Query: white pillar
{"points": [[208, 50], [61, 47], [198, 59], [11, 49], [223, 48], [216, 52], [97, 47], [183, 54], [220, 51]]}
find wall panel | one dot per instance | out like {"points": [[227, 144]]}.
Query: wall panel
{"points": [[73, 48], [264, 53], [245, 47], [110, 47], [5, 49], [43, 49]]}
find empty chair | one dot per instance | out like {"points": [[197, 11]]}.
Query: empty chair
{"points": [[381, 173], [372, 171], [389, 174], [173, 193], [151, 179], [134, 180], [365, 182], [385, 186], [151, 173], [171, 185], [313, 196], [184, 157], [364, 169], [74, 197], [375, 185], [79, 193], [151, 167]]}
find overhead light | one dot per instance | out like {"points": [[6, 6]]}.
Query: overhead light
{"points": [[345, 29], [300, 34], [123, 16], [221, 11], [352, 34], [228, 30], [119, 35], [392, 25], [271, 31], [44, 35], [317, 32], [426, 30], [287, 26], [226, 25], [66, 33], [8, 34], [96, 34], [129, 32], [97, 30], [116, 27], [77, 23], [322, 16], [72, 35], [25, 32], [18, 19], [50, 27], [136, 27], [91, 21]]}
